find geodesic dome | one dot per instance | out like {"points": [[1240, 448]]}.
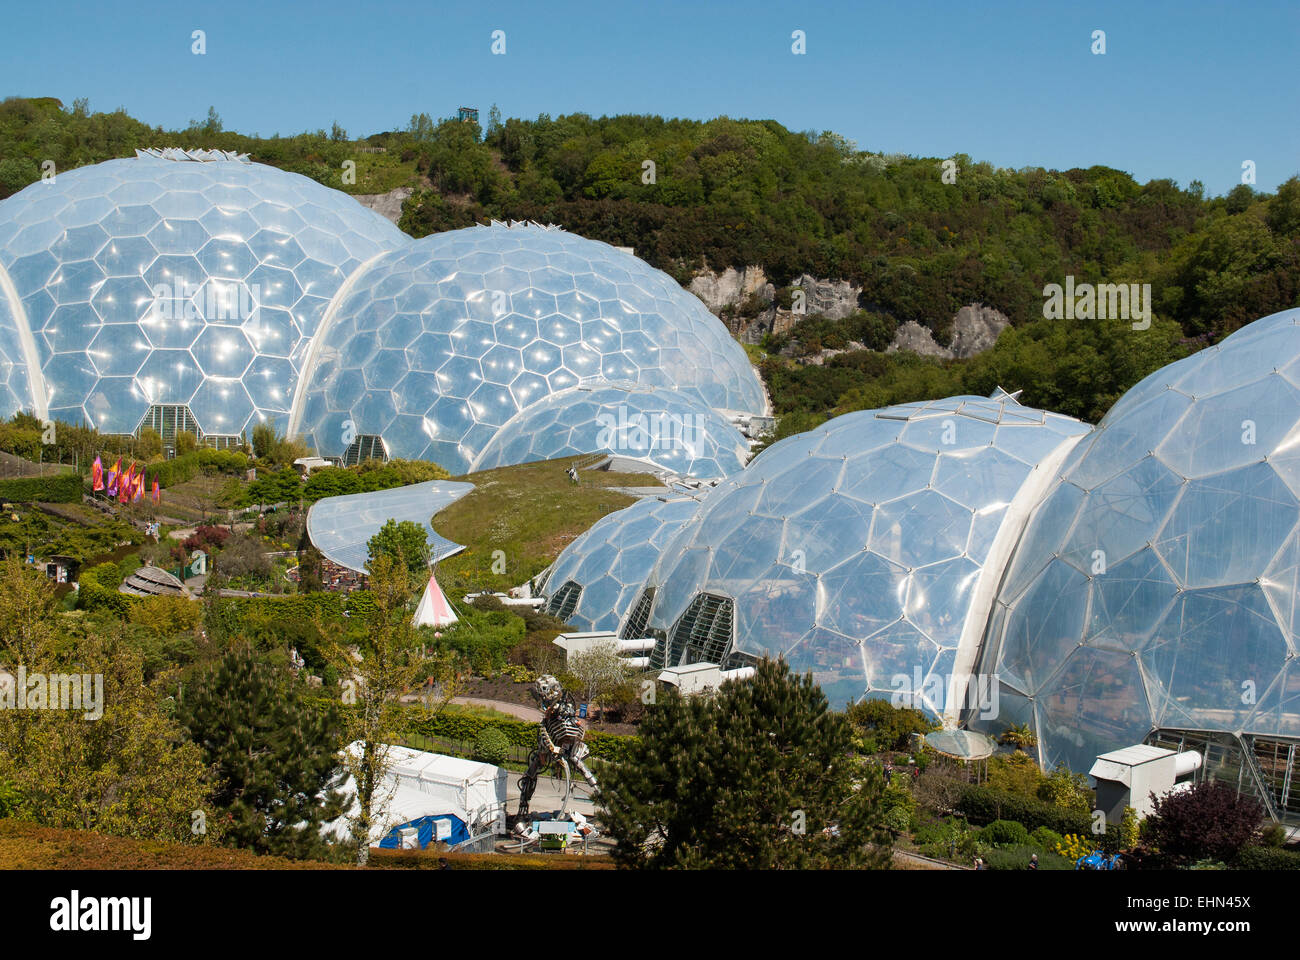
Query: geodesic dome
{"points": [[154, 281], [17, 351], [595, 581], [866, 550], [1156, 584], [436, 346], [668, 429]]}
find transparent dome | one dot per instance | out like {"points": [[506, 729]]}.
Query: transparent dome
{"points": [[16, 386], [866, 550], [594, 582], [1156, 585], [669, 429], [159, 281], [436, 346]]}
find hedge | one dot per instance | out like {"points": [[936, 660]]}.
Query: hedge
{"points": [[304, 607], [983, 805], [169, 473], [61, 488], [1268, 858], [186, 467], [467, 727]]}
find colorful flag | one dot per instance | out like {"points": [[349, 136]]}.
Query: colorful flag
{"points": [[97, 475], [139, 486], [114, 478], [157, 494], [125, 484]]}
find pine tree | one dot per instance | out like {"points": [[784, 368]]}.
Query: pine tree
{"points": [[756, 777], [272, 755]]}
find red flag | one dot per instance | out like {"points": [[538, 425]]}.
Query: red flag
{"points": [[139, 486], [157, 494], [125, 484], [115, 478], [97, 475]]}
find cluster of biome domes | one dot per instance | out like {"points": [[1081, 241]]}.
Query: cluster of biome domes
{"points": [[200, 290], [997, 565], [989, 562]]}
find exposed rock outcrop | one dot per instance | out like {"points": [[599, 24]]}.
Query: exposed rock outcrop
{"points": [[910, 335], [387, 205], [731, 287], [833, 299], [976, 328], [725, 292]]}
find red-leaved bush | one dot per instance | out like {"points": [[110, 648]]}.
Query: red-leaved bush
{"points": [[206, 537], [1211, 820]]}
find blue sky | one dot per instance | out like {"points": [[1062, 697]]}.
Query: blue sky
{"points": [[1185, 90]]}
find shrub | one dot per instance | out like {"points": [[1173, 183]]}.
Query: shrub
{"points": [[206, 538], [1005, 833], [242, 556], [10, 799], [889, 726], [604, 746], [982, 804], [1016, 773], [897, 820], [63, 488], [169, 473], [1046, 838], [97, 589], [1211, 820], [1268, 858], [166, 615], [1073, 846], [1273, 835], [1064, 788], [491, 746]]}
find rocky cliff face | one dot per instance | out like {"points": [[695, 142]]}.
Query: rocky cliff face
{"points": [[975, 328], [915, 338], [387, 205], [725, 292], [731, 287]]}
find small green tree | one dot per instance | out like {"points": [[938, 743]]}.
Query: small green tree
{"points": [[407, 543], [272, 754], [1067, 789], [373, 677], [757, 776], [599, 670], [1020, 735], [888, 726]]}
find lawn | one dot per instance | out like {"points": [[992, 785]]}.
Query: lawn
{"points": [[528, 512]]}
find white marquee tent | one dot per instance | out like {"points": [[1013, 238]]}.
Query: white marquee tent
{"points": [[423, 788]]}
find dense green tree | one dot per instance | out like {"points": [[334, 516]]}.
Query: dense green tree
{"points": [[119, 765], [755, 777], [405, 542], [272, 755], [888, 726]]}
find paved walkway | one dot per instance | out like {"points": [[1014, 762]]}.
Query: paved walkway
{"points": [[522, 711]]}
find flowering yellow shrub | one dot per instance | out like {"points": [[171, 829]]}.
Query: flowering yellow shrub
{"points": [[1073, 847]]}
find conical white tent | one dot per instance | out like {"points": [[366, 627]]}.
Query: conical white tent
{"points": [[434, 610]]}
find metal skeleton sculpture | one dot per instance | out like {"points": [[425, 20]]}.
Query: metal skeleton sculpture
{"points": [[559, 743]]}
